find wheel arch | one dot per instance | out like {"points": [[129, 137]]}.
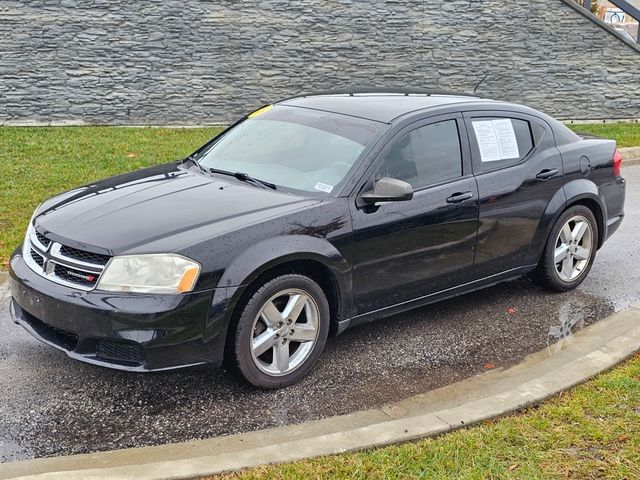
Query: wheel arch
{"points": [[312, 268], [585, 192], [597, 209], [310, 256], [577, 192]]}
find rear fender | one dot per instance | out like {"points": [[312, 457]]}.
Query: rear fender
{"points": [[580, 190], [554, 208], [571, 193]]}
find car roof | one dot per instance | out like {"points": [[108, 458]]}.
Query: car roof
{"points": [[379, 106]]}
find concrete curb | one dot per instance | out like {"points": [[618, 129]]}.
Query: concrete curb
{"points": [[589, 352], [630, 156]]}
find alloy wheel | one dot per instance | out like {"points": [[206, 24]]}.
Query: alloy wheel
{"points": [[574, 247], [285, 332]]}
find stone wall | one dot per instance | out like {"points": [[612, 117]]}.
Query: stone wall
{"points": [[209, 61]]}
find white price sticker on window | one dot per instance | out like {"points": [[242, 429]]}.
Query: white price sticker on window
{"points": [[323, 187], [496, 139]]}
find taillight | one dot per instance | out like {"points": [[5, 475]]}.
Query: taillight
{"points": [[617, 163]]}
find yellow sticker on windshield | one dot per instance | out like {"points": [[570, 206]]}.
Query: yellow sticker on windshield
{"points": [[260, 111]]}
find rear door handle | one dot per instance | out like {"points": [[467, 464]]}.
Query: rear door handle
{"points": [[460, 197], [547, 173]]}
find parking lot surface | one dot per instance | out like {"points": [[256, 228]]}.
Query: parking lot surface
{"points": [[52, 405]]}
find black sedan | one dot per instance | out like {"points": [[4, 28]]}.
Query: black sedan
{"points": [[309, 216]]}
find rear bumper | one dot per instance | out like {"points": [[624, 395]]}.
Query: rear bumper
{"points": [[133, 332], [613, 224], [613, 195]]}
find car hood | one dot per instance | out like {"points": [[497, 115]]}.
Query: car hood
{"points": [[124, 212]]}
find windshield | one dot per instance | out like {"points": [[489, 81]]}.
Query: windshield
{"points": [[292, 147]]}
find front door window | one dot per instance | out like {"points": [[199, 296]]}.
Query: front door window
{"points": [[426, 156]]}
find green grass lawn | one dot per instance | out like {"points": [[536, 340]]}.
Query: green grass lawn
{"points": [[626, 134], [40, 162], [590, 432]]}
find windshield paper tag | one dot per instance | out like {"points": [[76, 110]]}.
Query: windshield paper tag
{"points": [[323, 187]]}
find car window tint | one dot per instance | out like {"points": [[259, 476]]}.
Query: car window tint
{"points": [[522, 128], [294, 148], [425, 156], [538, 132], [501, 142]]}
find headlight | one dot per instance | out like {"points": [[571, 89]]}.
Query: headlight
{"points": [[26, 245], [162, 273]]}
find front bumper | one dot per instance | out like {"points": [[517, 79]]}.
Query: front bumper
{"points": [[134, 332]]}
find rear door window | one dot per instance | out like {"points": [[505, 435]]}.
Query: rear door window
{"points": [[499, 142]]}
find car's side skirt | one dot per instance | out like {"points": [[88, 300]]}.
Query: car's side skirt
{"points": [[436, 297]]}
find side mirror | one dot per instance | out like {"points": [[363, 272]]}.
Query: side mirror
{"points": [[388, 190]]}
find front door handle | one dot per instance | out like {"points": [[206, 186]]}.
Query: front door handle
{"points": [[547, 173], [460, 197]]}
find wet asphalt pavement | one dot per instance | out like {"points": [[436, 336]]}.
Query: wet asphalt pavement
{"points": [[52, 405]]}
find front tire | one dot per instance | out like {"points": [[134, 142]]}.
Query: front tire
{"points": [[281, 331], [569, 252]]}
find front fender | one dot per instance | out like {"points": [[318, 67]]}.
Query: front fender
{"points": [[276, 251]]}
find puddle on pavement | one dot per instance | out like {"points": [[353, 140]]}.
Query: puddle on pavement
{"points": [[513, 334], [572, 317]]}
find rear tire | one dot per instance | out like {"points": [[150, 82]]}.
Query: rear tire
{"points": [[569, 252], [281, 331]]}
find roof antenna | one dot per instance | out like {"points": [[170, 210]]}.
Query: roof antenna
{"points": [[480, 83]]}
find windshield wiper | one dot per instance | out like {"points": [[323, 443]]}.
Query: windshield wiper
{"points": [[245, 177], [196, 163]]}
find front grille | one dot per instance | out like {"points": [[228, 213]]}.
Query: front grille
{"points": [[120, 351], [84, 256], [57, 336], [74, 275], [44, 241], [63, 264], [39, 259]]}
